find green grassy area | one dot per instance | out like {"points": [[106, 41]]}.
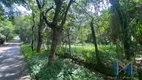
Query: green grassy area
{"points": [[107, 52], [63, 69]]}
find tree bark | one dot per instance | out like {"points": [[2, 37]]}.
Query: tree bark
{"points": [[40, 35], [53, 46], [32, 44]]}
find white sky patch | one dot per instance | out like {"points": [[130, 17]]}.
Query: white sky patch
{"points": [[17, 8], [23, 10], [102, 7]]}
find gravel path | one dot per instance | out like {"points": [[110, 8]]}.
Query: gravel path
{"points": [[11, 61]]}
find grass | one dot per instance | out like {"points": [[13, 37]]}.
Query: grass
{"points": [[26, 49], [107, 52]]}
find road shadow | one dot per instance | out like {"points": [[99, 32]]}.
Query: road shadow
{"points": [[11, 61]]}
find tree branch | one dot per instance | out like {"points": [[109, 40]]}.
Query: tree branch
{"points": [[65, 14], [45, 18], [46, 21], [57, 10], [38, 4], [43, 3], [95, 41], [48, 10]]}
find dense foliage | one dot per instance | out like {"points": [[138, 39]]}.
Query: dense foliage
{"points": [[6, 29]]}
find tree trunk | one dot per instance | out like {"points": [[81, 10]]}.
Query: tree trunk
{"points": [[95, 42], [55, 39], [127, 44], [32, 44], [69, 40], [6, 38], [125, 27], [40, 35]]}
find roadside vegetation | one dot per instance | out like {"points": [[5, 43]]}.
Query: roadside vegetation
{"points": [[64, 69]]}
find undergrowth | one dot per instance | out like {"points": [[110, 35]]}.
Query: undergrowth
{"points": [[63, 69]]}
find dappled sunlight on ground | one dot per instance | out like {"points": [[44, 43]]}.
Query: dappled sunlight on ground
{"points": [[11, 61]]}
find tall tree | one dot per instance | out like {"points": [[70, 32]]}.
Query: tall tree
{"points": [[56, 24], [95, 42], [57, 28], [40, 26], [126, 37]]}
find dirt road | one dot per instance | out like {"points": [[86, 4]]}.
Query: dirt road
{"points": [[11, 61]]}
